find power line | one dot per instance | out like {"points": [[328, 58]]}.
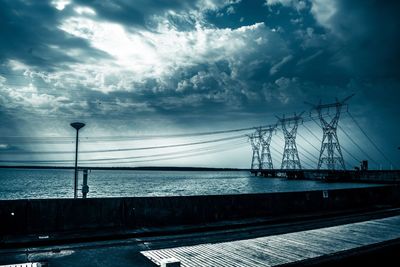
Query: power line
{"points": [[308, 164], [370, 140], [308, 129], [308, 158], [300, 146], [163, 154], [319, 125], [119, 158], [60, 139], [128, 149], [311, 144], [277, 151], [342, 147], [319, 140], [177, 157], [137, 137], [362, 150], [281, 154], [153, 157], [357, 161], [308, 152], [303, 162], [204, 149]]}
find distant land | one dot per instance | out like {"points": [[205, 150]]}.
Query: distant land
{"points": [[157, 168]]}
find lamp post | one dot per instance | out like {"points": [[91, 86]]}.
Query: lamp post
{"points": [[77, 126]]}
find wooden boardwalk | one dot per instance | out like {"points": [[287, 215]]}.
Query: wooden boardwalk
{"points": [[285, 248]]}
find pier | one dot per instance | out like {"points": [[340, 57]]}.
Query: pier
{"points": [[299, 247]]}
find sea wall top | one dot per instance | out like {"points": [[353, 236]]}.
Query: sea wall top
{"points": [[57, 215]]}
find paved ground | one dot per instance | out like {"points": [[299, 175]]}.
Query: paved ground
{"points": [[127, 252]]}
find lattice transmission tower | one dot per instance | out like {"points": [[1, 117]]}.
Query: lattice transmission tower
{"points": [[255, 145], [260, 142], [290, 158], [330, 154]]}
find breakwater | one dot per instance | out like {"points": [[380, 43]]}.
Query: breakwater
{"points": [[40, 216]]}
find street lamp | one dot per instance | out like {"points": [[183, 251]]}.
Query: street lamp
{"points": [[77, 126]]}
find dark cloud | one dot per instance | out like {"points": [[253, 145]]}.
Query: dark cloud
{"points": [[137, 14], [227, 67], [368, 33], [29, 32], [358, 40]]}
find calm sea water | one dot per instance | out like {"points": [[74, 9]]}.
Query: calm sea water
{"points": [[22, 183]]}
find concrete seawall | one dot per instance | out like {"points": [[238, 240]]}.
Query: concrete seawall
{"points": [[38, 216]]}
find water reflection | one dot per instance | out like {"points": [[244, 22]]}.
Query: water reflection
{"points": [[17, 183]]}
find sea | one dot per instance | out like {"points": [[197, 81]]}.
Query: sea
{"points": [[58, 183]]}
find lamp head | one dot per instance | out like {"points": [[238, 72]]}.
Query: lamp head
{"points": [[77, 125]]}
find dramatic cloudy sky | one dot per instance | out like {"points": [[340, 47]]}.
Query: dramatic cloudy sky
{"points": [[145, 67]]}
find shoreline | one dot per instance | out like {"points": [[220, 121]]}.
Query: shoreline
{"points": [[156, 168]]}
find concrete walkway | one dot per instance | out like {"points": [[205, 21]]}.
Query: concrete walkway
{"points": [[284, 248]]}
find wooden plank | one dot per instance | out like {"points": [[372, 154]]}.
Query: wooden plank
{"points": [[151, 256], [274, 257], [386, 225], [395, 220], [252, 249], [285, 248], [28, 264], [243, 260], [222, 257], [386, 228], [295, 251], [352, 236], [191, 255], [311, 246], [336, 236], [322, 241], [379, 231], [185, 261], [276, 250], [379, 235], [242, 251]]}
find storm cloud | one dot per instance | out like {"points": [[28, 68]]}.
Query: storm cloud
{"points": [[193, 65]]}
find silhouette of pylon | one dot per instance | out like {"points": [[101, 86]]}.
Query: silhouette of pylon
{"points": [[255, 145], [290, 158], [331, 153], [260, 142]]}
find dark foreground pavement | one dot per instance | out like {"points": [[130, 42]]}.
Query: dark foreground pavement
{"points": [[126, 251]]}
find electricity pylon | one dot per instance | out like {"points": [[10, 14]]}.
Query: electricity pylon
{"points": [[260, 142], [290, 159], [330, 154], [255, 145], [266, 159]]}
